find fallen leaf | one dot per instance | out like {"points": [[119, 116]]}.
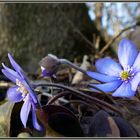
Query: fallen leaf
{"points": [[126, 130], [103, 125]]}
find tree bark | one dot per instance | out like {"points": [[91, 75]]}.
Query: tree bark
{"points": [[32, 30]]}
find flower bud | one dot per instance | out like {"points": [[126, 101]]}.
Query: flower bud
{"points": [[49, 65]]}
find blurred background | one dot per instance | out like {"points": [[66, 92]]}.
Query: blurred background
{"points": [[29, 31]]}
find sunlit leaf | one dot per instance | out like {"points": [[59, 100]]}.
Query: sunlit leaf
{"points": [[5, 117], [23, 135]]}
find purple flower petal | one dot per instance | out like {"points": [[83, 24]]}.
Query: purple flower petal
{"points": [[25, 80], [136, 65], [28, 86], [13, 95], [127, 53], [44, 72], [135, 81], [25, 110], [16, 66], [10, 74], [101, 77], [34, 119], [108, 87], [32, 94], [108, 66], [124, 91], [47, 73]]}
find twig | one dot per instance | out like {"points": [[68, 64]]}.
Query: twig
{"points": [[4, 84], [82, 96], [114, 38]]}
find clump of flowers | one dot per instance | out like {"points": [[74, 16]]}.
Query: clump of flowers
{"points": [[121, 79], [22, 91]]}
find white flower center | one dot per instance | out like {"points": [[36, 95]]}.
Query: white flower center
{"points": [[127, 74], [21, 88]]}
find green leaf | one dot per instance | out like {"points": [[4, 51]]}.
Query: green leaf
{"points": [[5, 118], [23, 135]]}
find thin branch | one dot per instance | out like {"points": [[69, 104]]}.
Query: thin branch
{"points": [[113, 39]]}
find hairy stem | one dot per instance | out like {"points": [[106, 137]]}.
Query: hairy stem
{"points": [[82, 96], [64, 61], [54, 98]]}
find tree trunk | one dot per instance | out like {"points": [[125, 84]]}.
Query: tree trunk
{"points": [[31, 31]]}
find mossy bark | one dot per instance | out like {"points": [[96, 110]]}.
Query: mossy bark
{"points": [[32, 30]]}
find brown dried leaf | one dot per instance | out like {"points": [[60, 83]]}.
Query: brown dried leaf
{"points": [[59, 120], [103, 126], [126, 130]]}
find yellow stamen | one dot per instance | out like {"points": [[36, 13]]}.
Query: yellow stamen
{"points": [[21, 88], [124, 75]]}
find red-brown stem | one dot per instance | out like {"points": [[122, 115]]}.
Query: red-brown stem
{"points": [[82, 96]]}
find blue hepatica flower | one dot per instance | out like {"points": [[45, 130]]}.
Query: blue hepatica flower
{"points": [[21, 92], [121, 79]]}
